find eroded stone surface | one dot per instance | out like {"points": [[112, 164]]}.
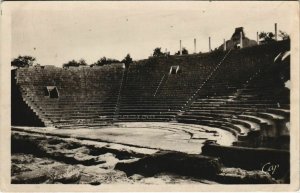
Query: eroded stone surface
{"points": [[51, 159], [31, 177], [65, 174], [240, 176]]}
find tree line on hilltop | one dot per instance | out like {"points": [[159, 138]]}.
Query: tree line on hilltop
{"points": [[101, 62], [26, 61]]}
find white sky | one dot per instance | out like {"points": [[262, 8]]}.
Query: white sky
{"points": [[56, 33]]}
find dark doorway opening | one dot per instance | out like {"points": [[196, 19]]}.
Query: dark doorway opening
{"points": [[51, 92], [174, 69]]}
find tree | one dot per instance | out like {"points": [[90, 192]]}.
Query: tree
{"points": [[184, 52], [71, 63], [127, 60], [75, 63], [105, 61], [82, 62], [283, 35], [23, 61], [266, 37], [100, 62], [157, 52]]}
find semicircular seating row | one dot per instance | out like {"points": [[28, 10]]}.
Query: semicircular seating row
{"points": [[244, 95]]}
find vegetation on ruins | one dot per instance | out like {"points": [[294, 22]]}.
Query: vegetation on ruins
{"points": [[157, 52], [105, 61], [23, 61], [74, 63], [266, 37], [283, 35], [184, 52]]}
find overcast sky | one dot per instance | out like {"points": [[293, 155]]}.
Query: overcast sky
{"points": [[56, 33]]}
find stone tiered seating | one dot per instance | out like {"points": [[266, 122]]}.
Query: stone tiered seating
{"points": [[150, 93], [245, 95], [87, 96]]}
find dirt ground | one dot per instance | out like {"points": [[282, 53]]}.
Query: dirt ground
{"points": [[90, 156]]}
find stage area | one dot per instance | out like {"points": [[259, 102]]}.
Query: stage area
{"points": [[186, 138]]}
